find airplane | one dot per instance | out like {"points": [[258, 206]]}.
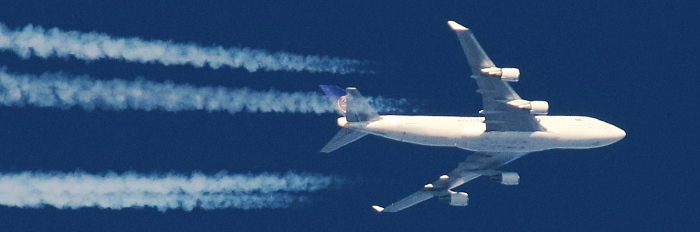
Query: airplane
{"points": [[510, 128]]}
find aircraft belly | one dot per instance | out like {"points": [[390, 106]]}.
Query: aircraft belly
{"points": [[510, 142], [422, 137], [417, 133], [421, 140]]}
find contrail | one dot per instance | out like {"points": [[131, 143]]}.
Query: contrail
{"points": [[63, 91], [34, 40], [163, 192]]}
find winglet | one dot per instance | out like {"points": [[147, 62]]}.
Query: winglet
{"points": [[456, 26], [377, 208]]}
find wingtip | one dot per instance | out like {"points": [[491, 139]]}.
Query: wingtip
{"points": [[377, 208], [456, 26]]}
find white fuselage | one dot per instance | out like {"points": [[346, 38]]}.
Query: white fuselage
{"points": [[469, 133]]}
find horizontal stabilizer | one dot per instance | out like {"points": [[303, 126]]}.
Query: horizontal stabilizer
{"points": [[344, 137], [377, 208]]}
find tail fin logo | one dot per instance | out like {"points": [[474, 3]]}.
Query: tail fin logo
{"points": [[342, 104]]}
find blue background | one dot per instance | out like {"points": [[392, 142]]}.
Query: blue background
{"points": [[633, 64]]}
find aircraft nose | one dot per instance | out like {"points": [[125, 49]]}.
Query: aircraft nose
{"points": [[616, 134]]}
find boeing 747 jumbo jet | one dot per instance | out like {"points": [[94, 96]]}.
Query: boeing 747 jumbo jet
{"points": [[510, 128]]}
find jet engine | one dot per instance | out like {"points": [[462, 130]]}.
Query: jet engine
{"points": [[506, 178], [535, 107], [506, 74], [455, 198]]}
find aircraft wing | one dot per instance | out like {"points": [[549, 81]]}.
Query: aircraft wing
{"points": [[477, 164], [495, 92]]}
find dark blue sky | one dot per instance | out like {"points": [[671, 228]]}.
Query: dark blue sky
{"points": [[631, 64]]}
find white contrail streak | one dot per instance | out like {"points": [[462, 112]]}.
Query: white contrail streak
{"points": [[34, 40], [163, 192], [63, 91]]}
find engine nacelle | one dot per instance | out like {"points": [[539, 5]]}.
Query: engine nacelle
{"points": [[535, 107], [506, 74], [455, 198], [539, 107], [507, 178]]}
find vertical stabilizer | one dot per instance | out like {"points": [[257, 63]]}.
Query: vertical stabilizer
{"points": [[337, 96], [350, 103], [358, 107]]}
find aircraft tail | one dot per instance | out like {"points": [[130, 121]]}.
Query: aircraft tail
{"points": [[337, 95], [355, 107], [351, 104]]}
